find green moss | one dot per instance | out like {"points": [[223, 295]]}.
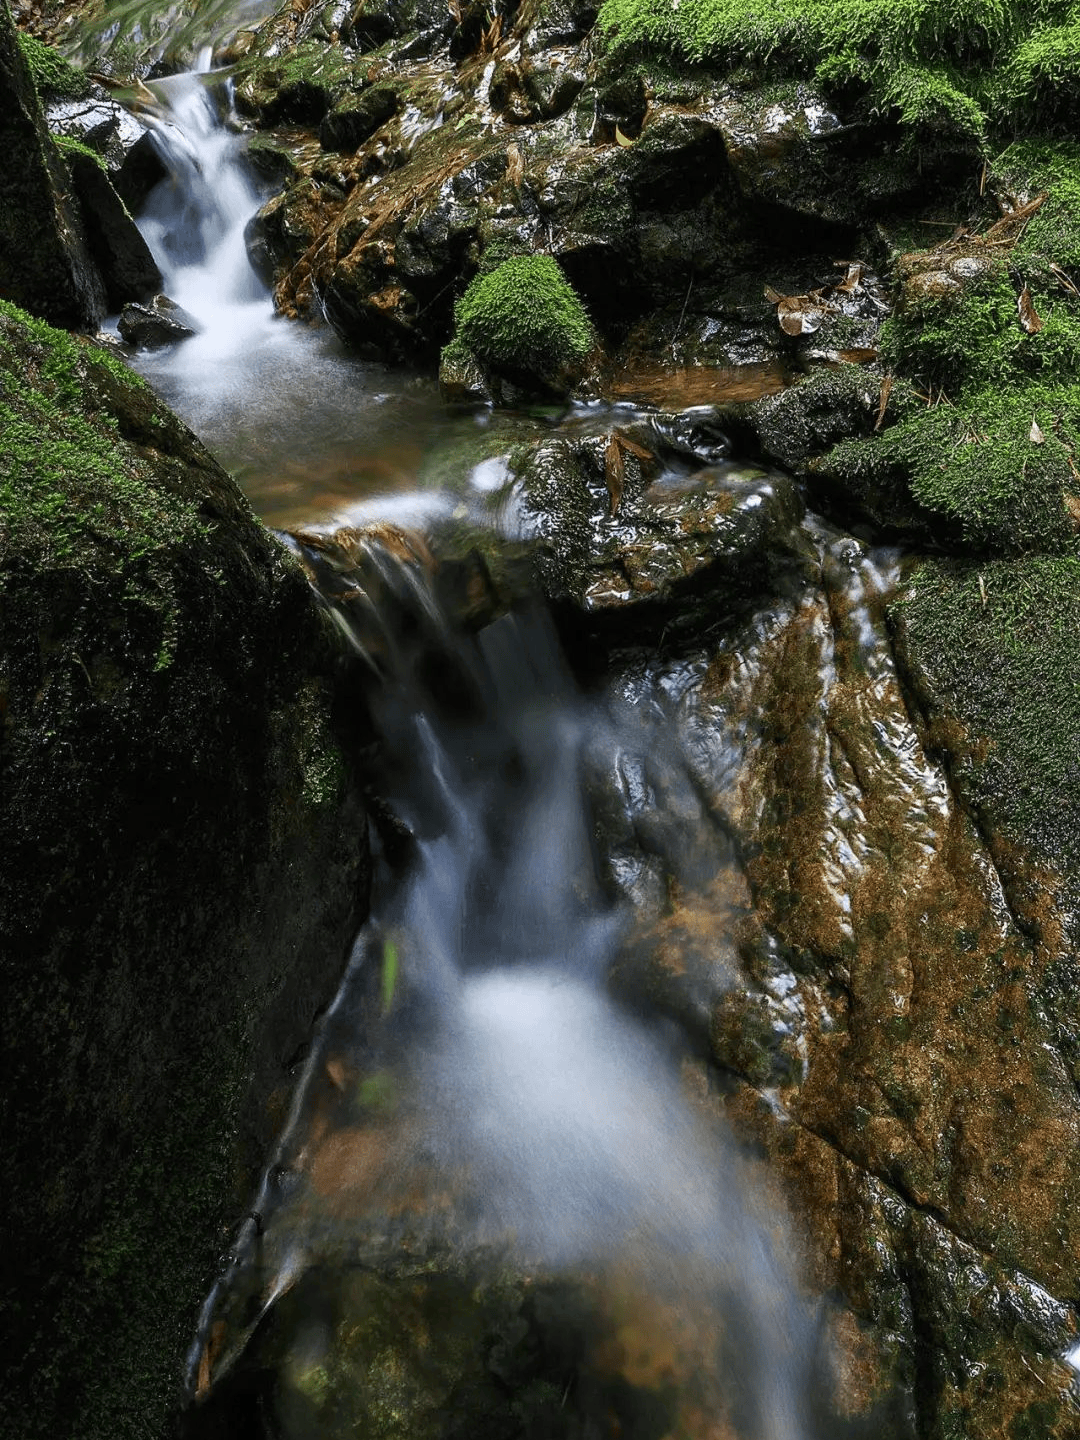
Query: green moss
{"points": [[525, 317], [68, 486], [68, 145], [1032, 167], [997, 644], [973, 465], [952, 63], [988, 433], [54, 76]]}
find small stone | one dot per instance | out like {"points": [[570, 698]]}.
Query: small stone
{"points": [[154, 325]]}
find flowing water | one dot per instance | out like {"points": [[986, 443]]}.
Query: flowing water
{"points": [[475, 1097]]}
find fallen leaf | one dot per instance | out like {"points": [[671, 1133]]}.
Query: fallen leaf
{"points": [[799, 315], [634, 448], [515, 165], [883, 400], [773, 296], [1035, 435], [853, 279], [202, 1384], [614, 471], [623, 139], [1072, 504], [1029, 320]]}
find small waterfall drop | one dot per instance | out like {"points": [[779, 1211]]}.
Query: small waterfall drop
{"points": [[475, 1102]]}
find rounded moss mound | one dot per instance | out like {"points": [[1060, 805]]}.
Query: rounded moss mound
{"points": [[524, 318]]}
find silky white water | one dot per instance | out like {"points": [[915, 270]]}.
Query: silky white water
{"points": [[535, 1115]]}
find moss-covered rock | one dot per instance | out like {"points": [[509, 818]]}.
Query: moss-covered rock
{"points": [[54, 77], [991, 651], [45, 263], [524, 321], [184, 863], [938, 67]]}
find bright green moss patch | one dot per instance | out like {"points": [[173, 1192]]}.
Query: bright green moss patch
{"points": [[68, 146], [954, 62], [55, 77], [975, 467], [524, 317], [1050, 167], [995, 646], [988, 435], [70, 484]]}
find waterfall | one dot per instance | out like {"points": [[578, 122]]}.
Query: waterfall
{"points": [[473, 1091]]}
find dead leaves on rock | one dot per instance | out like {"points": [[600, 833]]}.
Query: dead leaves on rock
{"points": [[803, 314], [618, 446]]}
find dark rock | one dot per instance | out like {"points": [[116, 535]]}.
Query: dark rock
{"points": [[45, 263], [184, 866], [123, 257], [161, 322], [373, 22], [126, 146], [619, 531], [350, 124], [560, 22]]}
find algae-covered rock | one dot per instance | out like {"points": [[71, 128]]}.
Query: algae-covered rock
{"points": [[523, 321], [989, 648], [184, 863]]}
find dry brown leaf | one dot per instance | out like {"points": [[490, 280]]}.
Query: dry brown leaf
{"points": [[1072, 505], [515, 165], [202, 1383], [645, 456], [853, 279], [799, 315], [1035, 435], [773, 296], [883, 400], [614, 471], [1030, 322]]}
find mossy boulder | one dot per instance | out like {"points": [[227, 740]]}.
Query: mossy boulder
{"points": [[184, 864], [45, 262], [524, 321], [990, 650]]}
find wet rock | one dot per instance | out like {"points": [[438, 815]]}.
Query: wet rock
{"points": [[618, 530], [124, 144], [349, 125], [184, 867], [559, 22], [372, 23], [891, 1022], [45, 262], [127, 268], [161, 322]]}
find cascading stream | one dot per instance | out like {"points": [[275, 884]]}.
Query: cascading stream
{"points": [[473, 1092], [503, 1194]]}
